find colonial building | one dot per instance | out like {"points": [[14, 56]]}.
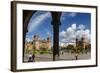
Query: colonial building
{"points": [[83, 43], [38, 43], [28, 45]]}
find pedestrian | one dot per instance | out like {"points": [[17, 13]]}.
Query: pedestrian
{"points": [[76, 56], [33, 57], [30, 59]]}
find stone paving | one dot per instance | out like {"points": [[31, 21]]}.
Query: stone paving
{"points": [[65, 56]]}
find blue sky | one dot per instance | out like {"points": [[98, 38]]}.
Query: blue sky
{"points": [[40, 24], [72, 24], [69, 18], [75, 25]]}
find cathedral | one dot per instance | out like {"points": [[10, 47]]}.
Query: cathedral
{"points": [[38, 43], [83, 43]]}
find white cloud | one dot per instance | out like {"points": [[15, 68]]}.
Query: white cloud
{"points": [[48, 33], [87, 35], [28, 39], [83, 33], [68, 14], [81, 27], [72, 14], [63, 34], [69, 32], [69, 35], [80, 33], [74, 26], [37, 20]]}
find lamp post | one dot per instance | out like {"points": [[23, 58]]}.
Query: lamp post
{"points": [[56, 22]]}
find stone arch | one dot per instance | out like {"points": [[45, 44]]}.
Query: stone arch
{"points": [[27, 14]]}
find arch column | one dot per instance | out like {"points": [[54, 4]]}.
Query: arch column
{"points": [[26, 17], [56, 22]]}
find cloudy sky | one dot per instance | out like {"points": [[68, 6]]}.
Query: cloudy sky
{"points": [[73, 25]]}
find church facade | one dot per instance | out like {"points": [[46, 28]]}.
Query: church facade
{"points": [[38, 43]]}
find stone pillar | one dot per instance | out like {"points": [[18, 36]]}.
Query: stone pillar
{"points": [[26, 17], [56, 23]]}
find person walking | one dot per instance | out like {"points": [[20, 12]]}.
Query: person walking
{"points": [[33, 57], [30, 59]]}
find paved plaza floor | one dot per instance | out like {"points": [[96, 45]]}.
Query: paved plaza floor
{"points": [[65, 56]]}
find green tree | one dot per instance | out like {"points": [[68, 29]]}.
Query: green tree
{"points": [[70, 48]]}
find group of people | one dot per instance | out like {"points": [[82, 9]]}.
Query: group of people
{"points": [[31, 58]]}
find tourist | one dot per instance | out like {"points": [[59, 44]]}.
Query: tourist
{"points": [[30, 59], [33, 57]]}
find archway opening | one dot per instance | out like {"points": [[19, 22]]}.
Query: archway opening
{"points": [[39, 38]]}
